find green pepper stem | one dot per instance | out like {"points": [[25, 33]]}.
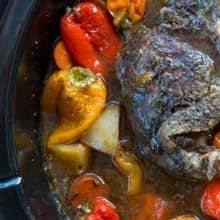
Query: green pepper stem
{"points": [[81, 77], [84, 211]]}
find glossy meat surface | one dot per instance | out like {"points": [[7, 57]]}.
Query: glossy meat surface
{"points": [[200, 17], [170, 91]]}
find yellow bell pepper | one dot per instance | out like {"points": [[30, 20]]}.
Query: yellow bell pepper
{"points": [[78, 97], [129, 167], [132, 9], [74, 157]]}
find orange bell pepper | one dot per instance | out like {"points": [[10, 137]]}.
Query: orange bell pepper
{"points": [[61, 56], [78, 97], [132, 9], [151, 206], [210, 203], [136, 10]]}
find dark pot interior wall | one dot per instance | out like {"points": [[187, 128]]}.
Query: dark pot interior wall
{"points": [[3, 4], [32, 69], [30, 63]]}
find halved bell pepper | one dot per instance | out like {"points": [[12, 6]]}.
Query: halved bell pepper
{"points": [[90, 38], [78, 97]]}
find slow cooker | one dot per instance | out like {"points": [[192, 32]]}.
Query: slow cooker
{"points": [[27, 30]]}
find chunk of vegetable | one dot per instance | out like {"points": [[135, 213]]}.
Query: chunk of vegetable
{"points": [[103, 135], [75, 157], [137, 10], [86, 188], [132, 9], [210, 202], [129, 167], [78, 97], [99, 209], [216, 141], [89, 36], [186, 217], [151, 207], [103, 210], [61, 56], [118, 9]]}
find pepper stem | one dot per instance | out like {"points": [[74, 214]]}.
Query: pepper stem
{"points": [[124, 22], [81, 77], [68, 10], [84, 211]]}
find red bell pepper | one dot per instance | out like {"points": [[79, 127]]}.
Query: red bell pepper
{"points": [[102, 210], [99, 209], [90, 37]]}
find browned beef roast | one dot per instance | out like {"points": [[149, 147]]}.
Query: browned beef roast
{"points": [[200, 17], [170, 91]]}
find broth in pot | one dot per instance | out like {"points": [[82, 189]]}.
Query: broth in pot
{"points": [[130, 110]]}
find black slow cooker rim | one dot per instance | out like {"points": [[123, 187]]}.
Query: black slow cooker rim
{"points": [[14, 25], [19, 199]]}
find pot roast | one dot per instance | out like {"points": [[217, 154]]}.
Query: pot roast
{"points": [[171, 91]]}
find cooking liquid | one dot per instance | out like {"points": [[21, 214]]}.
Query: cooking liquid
{"points": [[185, 195]]}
